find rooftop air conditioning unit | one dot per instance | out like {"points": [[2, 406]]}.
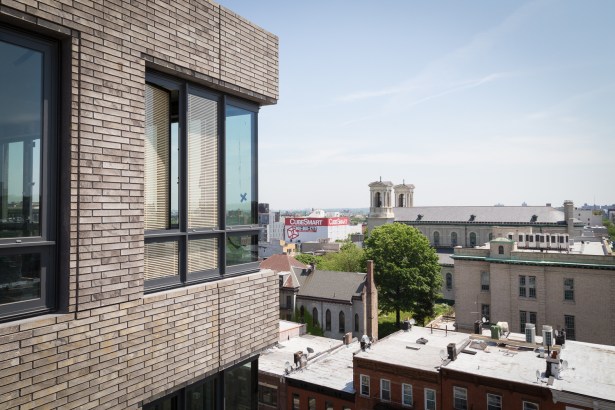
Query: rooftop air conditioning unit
{"points": [[530, 333]]}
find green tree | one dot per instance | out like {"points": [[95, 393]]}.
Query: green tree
{"points": [[406, 270], [350, 258], [610, 228], [307, 259]]}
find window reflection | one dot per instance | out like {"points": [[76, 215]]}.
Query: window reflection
{"points": [[241, 249], [240, 163], [21, 277]]}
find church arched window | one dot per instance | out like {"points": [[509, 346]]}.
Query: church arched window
{"points": [[436, 238], [328, 320], [454, 239], [315, 317], [342, 322], [500, 250], [472, 239], [378, 200], [449, 281], [400, 202]]}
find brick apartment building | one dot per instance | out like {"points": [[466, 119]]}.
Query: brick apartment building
{"points": [[128, 205]]}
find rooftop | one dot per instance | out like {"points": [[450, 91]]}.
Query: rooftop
{"points": [[342, 286], [402, 348]]}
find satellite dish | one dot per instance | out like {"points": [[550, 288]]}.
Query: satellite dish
{"points": [[443, 354], [564, 364], [287, 367], [310, 350], [412, 322]]}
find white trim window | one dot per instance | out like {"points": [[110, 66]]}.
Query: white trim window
{"points": [[527, 405], [406, 394], [430, 399], [460, 398], [364, 385], [385, 390], [494, 402]]}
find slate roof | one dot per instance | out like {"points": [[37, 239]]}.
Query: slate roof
{"points": [[482, 214], [445, 258], [281, 263], [340, 286]]}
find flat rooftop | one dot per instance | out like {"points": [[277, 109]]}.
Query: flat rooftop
{"points": [[273, 360], [332, 370], [402, 348]]}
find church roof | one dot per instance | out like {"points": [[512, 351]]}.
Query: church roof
{"points": [[380, 184], [281, 263], [341, 286], [526, 215]]}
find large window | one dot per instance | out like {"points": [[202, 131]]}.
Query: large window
{"points": [[568, 289], [430, 399], [569, 327], [494, 402], [460, 398], [328, 320], [192, 231], [364, 385], [28, 185], [406, 394], [526, 317], [484, 281], [267, 395], [385, 390], [342, 322], [527, 286], [530, 406]]}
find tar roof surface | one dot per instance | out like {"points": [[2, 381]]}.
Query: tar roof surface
{"points": [[273, 359], [333, 370], [401, 348]]}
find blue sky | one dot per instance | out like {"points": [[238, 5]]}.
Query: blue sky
{"points": [[473, 102]]}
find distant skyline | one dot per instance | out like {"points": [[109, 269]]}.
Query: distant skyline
{"points": [[475, 103]]}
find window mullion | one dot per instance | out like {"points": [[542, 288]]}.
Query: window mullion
{"points": [[183, 180], [222, 182]]}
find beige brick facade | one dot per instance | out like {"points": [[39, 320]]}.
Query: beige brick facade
{"points": [[108, 344]]}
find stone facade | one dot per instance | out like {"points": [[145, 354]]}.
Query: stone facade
{"points": [[108, 344]]}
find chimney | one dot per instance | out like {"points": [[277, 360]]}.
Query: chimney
{"points": [[371, 303], [569, 216]]}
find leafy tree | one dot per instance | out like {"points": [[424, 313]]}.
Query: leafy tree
{"points": [[307, 259], [406, 268], [350, 258], [312, 328], [610, 228]]}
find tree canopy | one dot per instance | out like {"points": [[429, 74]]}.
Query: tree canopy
{"points": [[406, 270], [350, 258]]}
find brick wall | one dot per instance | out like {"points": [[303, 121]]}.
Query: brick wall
{"points": [[109, 345]]}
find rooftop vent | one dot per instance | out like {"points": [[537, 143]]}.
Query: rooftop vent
{"points": [[472, 218], [421, 341], [419, 217], [530, 333], [534, 218]]}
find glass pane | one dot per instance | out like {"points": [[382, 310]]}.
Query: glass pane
{"points": [[202, 396], [174, 175], [21, 277], [238, 387], [240, 161], [157, 158], [161, 260], [241, 249], [202, 254], [202, 162], [21, 121]]}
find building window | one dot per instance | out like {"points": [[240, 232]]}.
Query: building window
{"points": [[430, 399], [500, 250], [520, 238], [328, 405], [436, 238], [490, 236], [328, 320], [311, 403], [296, 402], [315, 317], [460, 398], [569, 327], [568, 289], [364, 385], [406, 394], [454, 239], [302, 314], [342, 322], [288, 302], [28, 179], [187, 222], [494, 402], [449, 281], [401, 202], [472, 239], [356, 322], [385, 390], [529, 406], [485, 311], [267, 395], [377, 200], [527, 286], [484, 281]]}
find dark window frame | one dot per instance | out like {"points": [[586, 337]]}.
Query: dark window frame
{"points": [[222, 233], [47, 243]]}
